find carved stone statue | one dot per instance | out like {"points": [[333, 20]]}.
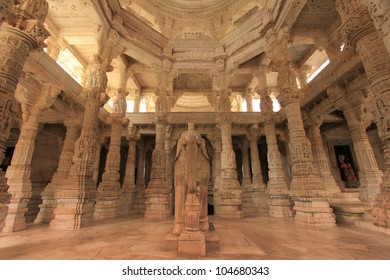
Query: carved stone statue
{"points": [[191, 173]]}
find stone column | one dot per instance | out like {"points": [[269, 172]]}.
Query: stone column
{"points": [[380, 13], [139, 203], [18, 173], [370, 177], [253, 136], [6, 10], [157, 192], [230, 191], [169, 165], [140, 183], [109, 189], [311, 200], [137, 100], [246, 180], [302, 75], [279, 200], [21, 32], [307, 188], [128, 192], [46, 212], [7, 113], [321, 158], [24, 33], [249, 105], [375, 57], [76, 198], [215, 139]]}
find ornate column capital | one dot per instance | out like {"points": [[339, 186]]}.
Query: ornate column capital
{"points": [[356, 20]]}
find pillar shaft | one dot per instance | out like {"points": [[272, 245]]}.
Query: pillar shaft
{"points": [[246, 180], [108, 192], [46, 212], [18, 173], [76, 198], [128, 192], [370, 47], [370, 177], [322, 160], [157, 192], [230, 190]]}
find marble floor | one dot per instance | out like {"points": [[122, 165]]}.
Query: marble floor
{"points": [[251, 238]]}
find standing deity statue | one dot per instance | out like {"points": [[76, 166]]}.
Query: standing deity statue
{"points": [[191, 175]]}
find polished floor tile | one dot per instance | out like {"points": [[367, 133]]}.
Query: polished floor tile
{"points": [[250, 238]]}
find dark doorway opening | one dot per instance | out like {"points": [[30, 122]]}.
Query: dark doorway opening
{"points": [[343, 153]]}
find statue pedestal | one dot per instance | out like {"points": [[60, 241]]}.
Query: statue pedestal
{"points": [[191, 243]]}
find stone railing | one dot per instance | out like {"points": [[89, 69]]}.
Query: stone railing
{"points": [[200, 118]]}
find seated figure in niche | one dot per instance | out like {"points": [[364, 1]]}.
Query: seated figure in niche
{"points": [[349, 174], [191, 175]]}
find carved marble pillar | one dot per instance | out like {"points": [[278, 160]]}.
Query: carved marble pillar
{"points": [[246, 180], [157, 193], [321, 158], [230, 191], [140, 183], [279, 200], [253, 136], [6, 10], [216, 141], [7, 112], [375, 57], [46, 212], [249, 105], [109, 189], [76, 198], [370, 177], [307, 188], [128, 191], [380, 13], [139, 202], [302, 74], [169, 164], [18, 173], [21, 34]]}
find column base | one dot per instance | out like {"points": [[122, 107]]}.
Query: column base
{"points": [[157, 201], [254, 201], [313, 212], [107, 201], [75, 205], [16, 220], [230, 204], [381, 210], [370, 185], [139, 206], [280, 206], [47, 207], [49, 202], [126, 201], [4, 200]]}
